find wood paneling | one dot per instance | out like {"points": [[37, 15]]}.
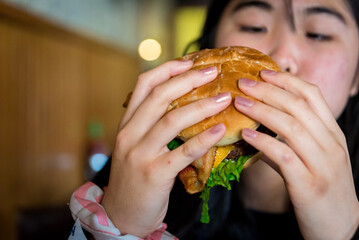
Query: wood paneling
{"points": [[52, 83]]}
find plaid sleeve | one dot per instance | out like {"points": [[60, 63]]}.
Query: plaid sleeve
{"points": [[86, 209]]}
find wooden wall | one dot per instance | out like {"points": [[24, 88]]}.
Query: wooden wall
{"points": [[52, 82]]}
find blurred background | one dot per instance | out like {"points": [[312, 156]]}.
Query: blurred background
{"points": [[66, 67]]}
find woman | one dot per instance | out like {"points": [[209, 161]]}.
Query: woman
{"points": [[304, 186]]}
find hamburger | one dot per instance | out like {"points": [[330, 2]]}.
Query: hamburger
{"points": [[224, 161]]}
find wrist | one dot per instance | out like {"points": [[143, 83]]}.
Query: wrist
{"points": [[124, 219], [108, 203]]}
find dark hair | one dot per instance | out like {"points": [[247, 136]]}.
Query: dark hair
{"points": [[209, 30], [354, 6], [214, 13]]}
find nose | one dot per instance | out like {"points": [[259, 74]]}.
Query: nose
{"points": [[285, 52]]}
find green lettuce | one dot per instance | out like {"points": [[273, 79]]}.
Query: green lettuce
{"points": [[227, 170]]}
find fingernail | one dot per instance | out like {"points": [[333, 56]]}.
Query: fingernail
{"points": [[209, 70], [217, 128], [247, 82], [221, 97], [244, 101], [268, 72], [249, 133]]}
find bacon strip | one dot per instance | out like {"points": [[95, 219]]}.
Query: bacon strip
{"points": [[195, 176]]}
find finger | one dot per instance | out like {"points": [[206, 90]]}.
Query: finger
{"points": [[292, 104], [290, 129], [311, 93], [148, 80], [156, 104], [169, 126], [176, 160], [279, 156]]}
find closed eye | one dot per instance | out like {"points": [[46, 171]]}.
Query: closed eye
{"points": [[253, 29], [318, 37]]}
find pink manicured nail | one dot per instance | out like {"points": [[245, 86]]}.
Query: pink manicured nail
{"points": [[209, 70], [217, 128], [221, 97], [247, 82], [268, 72], [250, 133], [244, 101]]}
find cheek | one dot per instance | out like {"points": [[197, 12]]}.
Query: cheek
{"points": [[333, 75]]}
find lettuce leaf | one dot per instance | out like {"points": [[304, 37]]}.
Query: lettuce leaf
{"points": [[227, 170]]}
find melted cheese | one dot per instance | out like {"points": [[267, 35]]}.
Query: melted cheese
{"points": [[221, 153]]}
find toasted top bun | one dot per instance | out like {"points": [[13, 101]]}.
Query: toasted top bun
{"points": [[232, 64]]}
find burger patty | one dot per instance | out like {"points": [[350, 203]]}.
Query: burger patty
{"points": [[242, 148]]}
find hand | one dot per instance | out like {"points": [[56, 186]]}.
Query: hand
{"points": [[143, 169], [311, 155]]}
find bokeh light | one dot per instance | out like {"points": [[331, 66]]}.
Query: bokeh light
{"points": [[149, 49]]}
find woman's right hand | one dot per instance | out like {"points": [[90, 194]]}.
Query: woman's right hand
{"points": [[143, 169]]}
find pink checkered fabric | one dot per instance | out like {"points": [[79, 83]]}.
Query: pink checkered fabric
{"points": [[85, 206]]}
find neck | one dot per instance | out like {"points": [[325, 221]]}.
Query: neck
{"points": [[263, 189]]}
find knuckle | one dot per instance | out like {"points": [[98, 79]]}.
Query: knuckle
{"points": [[294, 126], [193, 74], [121, 139], [131, 156], [202, 104], [188, 152], [142, 79], [134, 162], [121, 135], [287, 158], [157, 92], [320, 185], [201, 142], [298, 103], [148, 171], [340, 153], [314, 89], [160, 94], [170, 119]]}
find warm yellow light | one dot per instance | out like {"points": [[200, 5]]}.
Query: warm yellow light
{"points": [[188, 27], [149, 49]]}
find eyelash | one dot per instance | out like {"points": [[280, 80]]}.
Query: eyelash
{"points": [[319, 37], [311, 35], [253, 29]]}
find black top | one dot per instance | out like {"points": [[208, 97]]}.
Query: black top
{"points": [[229, 220]]}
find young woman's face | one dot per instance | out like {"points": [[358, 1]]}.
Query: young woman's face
{"points": [[316, 40]]}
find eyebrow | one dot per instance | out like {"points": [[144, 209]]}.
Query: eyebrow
{"points": [[325, 10], [245, 4]]}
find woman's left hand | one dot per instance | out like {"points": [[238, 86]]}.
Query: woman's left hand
{"points": [[311, 155]]}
